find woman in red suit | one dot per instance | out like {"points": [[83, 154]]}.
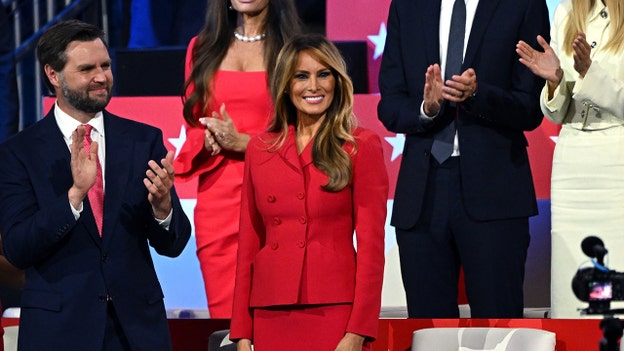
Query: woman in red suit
{"points": [[227, 100], [310, 181]]}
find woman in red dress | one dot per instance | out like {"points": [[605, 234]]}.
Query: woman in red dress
{"points": [[227, 100], [310, 181]]}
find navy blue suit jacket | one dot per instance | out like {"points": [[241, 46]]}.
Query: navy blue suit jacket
{"points": [[494, 166], [70, 269]]}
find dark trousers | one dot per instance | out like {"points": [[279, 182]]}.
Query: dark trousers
{"points": [[491, 253], [114, 337]]}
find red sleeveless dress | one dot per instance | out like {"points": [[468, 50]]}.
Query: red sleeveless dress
{"points": [[248, 102]]}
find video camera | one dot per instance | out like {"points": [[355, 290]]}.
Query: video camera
{"points": [[598, 285]]}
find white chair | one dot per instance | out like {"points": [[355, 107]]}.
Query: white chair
{"points": [[11, 312], [220, 341], [484, 339], [10, 338]]}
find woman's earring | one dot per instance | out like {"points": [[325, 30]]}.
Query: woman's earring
{"points": [[230, 7]]}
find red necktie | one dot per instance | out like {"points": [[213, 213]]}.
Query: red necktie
{"points": [[96, 193]]}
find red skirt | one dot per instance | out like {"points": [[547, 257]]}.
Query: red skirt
{"points": [[301, 328]]}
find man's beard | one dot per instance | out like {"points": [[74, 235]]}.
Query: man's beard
{"points": [[81, 100]]}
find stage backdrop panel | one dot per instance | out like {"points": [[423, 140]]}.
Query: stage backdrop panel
{"points": [[181, 278], [366, 20]]}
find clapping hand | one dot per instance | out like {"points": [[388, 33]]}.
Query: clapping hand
{"points": [[543, 64], [582, 51], [432, 96], [458, 88], [158, 182], [83, 167], [222, 127], [209, 140]]}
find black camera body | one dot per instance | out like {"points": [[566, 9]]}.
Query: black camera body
{"points": [[598, 287]]}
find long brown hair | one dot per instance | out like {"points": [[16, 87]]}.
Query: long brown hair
{"points": [[336, 129], [216, 36], [577, 21]]}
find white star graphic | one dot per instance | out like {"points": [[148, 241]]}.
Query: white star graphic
{"points": [[554, 138], [397, 142], [179, 141], [379, 40]]}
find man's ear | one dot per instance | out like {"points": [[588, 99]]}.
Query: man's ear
{"points": [[52, 75]]}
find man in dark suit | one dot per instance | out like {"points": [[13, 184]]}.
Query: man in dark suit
{"points": [[90, 280], [469, 206]]}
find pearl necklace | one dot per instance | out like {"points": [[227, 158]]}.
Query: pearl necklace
{"points": [[249, 39]]}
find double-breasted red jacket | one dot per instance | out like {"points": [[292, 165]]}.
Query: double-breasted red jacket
{"points": [[296, 244]]}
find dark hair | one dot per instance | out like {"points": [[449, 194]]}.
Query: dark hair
{"points": [[328, 153], [53, 43], [215, 37]]}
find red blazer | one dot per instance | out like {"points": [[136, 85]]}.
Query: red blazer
{"points": [[296, 240]]}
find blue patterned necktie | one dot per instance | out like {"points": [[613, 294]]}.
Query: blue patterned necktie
{"points": [[443, 140]]}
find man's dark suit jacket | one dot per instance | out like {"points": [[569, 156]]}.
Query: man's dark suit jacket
{"points": [[494, 166], [70, 270]]}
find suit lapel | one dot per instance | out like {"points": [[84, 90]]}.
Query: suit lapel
{"points": [[288, 152], [429, 11], [484, 14], [50, 141], [305, 158]]}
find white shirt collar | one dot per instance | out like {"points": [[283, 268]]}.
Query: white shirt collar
{"points": [[67, 124], [446, 11]]}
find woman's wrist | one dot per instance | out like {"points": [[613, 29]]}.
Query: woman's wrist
{"points": [[554, 83], [241, 144], [557, 79], [356, 337]]}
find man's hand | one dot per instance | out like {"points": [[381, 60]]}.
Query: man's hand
{"points": [[459, 87], [432, 97], [83, 167], [158, 183]]}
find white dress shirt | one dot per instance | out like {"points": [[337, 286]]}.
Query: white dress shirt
{"points": [[446, 11], [67, 124]]}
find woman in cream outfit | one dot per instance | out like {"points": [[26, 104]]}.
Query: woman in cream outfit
{"points": [[584, 92]]}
